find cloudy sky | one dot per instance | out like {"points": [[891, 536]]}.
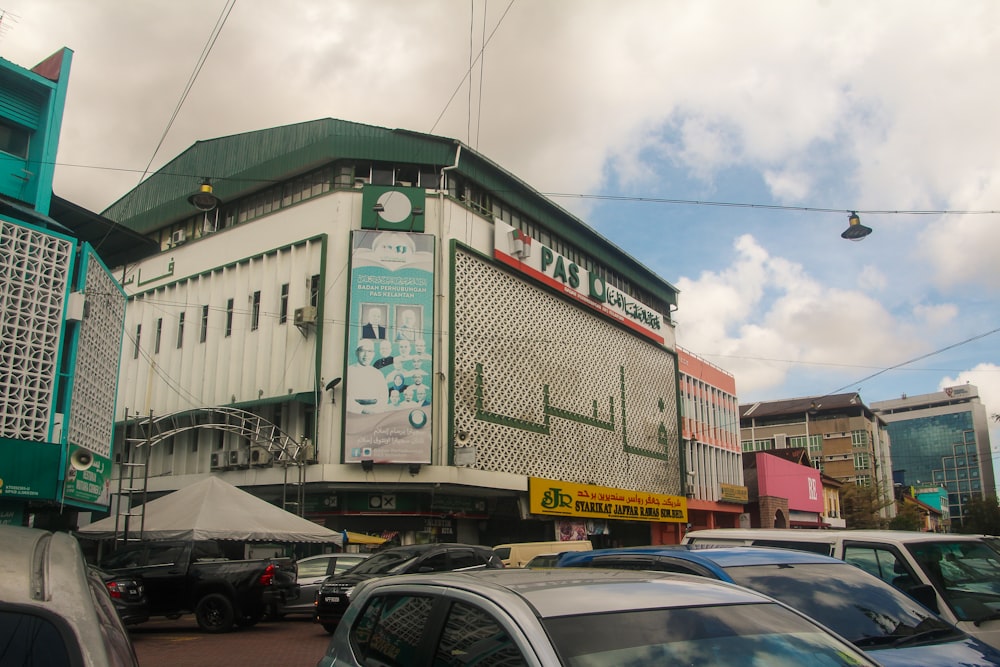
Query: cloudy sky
{"points": [[720, 143]]}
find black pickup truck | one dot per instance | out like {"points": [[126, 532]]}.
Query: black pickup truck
{"points": [[196, 577]]}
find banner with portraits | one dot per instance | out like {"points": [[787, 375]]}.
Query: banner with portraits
{"points": [[387, 384]]}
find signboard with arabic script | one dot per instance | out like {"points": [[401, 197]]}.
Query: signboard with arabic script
{"points": [[549, 496]]}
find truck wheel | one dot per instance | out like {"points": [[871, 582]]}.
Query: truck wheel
{"points": [[214, 613]]}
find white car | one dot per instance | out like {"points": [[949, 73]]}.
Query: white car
{"points": [[54, 608], [958, 576]]}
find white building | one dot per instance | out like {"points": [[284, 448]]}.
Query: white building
{"points": [[437, 350]]}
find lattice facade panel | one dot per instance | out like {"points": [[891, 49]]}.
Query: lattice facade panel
{"points": [[95, 375], [34, 276], [546, 388]]}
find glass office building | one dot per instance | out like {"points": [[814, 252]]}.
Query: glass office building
{"points": [[942, 438]]}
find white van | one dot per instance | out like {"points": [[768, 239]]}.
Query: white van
{"points": [[519, 553], [962, 570]]}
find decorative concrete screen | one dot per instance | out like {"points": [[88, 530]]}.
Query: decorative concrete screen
{"points": [[34, 275], [95, 376], [546, 388]]}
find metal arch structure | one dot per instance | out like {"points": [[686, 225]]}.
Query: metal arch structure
{"points": [[149, 431]]}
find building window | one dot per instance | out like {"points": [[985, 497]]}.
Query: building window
{"points": [[159, 335], [14, 139], [138, 334], [180, 330], [229, 318], [283, 306], [862, 461], [314, 291], [204, 324], [255, 311]]}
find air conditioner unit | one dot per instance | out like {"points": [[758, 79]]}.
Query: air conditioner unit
{"points": [[309, 453], [260, 457], [239, 458], [305, 315], [218, 461], [178, 236]]}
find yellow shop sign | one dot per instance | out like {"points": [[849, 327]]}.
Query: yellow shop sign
{"points": [[549, 496]]}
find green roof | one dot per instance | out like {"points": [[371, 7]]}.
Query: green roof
{"points": [[242, 163]]}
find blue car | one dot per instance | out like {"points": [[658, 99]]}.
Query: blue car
{"points": [[882, 621]]}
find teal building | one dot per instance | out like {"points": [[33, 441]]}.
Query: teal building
{"points": [[61, 316]]}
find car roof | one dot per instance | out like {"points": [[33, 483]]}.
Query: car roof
{"points": [[418, 548], [56, 582], [824, 535], [572, 591], [52, 561], [339, 555], [721, 556]]}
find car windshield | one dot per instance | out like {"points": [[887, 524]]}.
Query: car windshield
{"points": [[852, 603], [388, 562], [966, 573], [732, 635]]}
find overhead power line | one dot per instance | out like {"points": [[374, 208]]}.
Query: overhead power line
{"points": [[194, 76], [622, 198]]}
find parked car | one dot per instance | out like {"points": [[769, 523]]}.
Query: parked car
{"points": [[583, 618], [54, 608], [334, 594], [543, 560], [962, 570], [517, 554], [312, 570], [194, 576], [128, 595], [879, 619]]}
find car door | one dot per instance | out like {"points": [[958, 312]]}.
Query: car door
{"points": [[164, 574], [890, 565]]}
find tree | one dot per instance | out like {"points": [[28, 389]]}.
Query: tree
{"points": [[908, 517], [982, 515], [861, 506]]}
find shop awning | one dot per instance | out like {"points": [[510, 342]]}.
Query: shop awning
{"points": [[361, 538]]}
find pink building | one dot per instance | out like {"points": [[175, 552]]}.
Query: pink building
{"points": [[785, 491]]}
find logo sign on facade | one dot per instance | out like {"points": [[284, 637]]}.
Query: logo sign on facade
{"points": [[382, 501], [393, 208], [387, 384], [519, 251], [548, 496], [88, 478]]}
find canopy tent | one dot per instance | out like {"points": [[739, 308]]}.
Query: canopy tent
{"points": [[216, 510]]}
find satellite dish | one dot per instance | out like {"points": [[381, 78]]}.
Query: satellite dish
{"points": [[332, 383]]}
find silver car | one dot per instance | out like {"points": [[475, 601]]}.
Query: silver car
{"points": [[54, 608], [312, 570], [575, 618]]}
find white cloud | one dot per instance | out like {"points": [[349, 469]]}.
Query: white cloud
{"points": [[765, 315], [872, 279]]}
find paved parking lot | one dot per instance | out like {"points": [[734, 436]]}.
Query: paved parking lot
{"points": [[295, 642]]}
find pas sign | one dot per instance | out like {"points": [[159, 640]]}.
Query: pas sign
{"points": [[519, 251]]}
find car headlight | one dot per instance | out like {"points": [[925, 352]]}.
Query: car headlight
{"points": [[349, 591]]}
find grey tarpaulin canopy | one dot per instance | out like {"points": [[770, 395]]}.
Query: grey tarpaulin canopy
{"points": [[215, 510]]}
